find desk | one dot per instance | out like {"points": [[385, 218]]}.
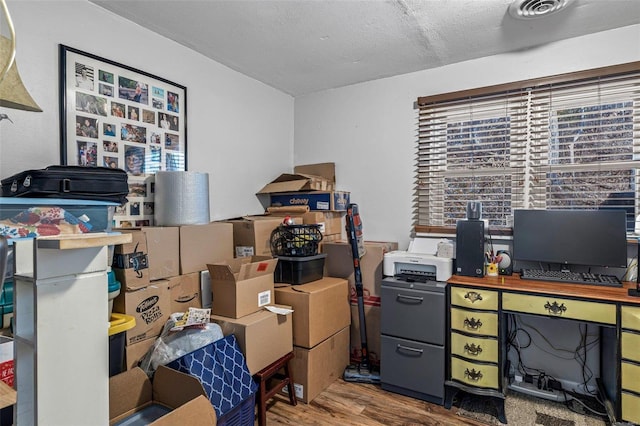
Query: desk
{"points": [[476, 324]]}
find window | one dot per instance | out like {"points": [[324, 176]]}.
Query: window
{"points": [[562, 142]]}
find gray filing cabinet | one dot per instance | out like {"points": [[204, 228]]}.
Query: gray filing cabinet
{"points": [[412, 342]]}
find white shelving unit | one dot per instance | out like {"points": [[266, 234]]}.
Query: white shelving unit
{"points": [[60, 333]]}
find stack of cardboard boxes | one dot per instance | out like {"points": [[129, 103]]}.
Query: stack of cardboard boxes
{"points": [[160, 274], [309, 193], [242, 289], [228, 266], [320, 333]]}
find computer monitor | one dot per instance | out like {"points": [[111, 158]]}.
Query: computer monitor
{"points": [[571, 237]]}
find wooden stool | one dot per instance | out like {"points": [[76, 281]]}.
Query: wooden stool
{"points": [[264, 394]]}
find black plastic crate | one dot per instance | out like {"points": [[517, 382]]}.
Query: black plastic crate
{"points": [[295, 240], [299, 270]]}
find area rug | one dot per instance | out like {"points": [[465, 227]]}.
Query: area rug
{"points": [[524, 410]]}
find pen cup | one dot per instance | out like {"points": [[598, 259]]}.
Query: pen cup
{"points": [[492, 269]]}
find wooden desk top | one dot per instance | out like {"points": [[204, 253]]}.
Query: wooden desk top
{"points": [[582, 291]]}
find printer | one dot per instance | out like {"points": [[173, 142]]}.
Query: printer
{"points": [[425, 260]]}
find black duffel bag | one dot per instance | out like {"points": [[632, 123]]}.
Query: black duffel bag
{"points": [[73, 182]]}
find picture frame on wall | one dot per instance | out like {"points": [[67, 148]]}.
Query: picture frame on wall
{"points": [[114, 115]]}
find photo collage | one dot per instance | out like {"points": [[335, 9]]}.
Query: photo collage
{"points": [[125, 120]]}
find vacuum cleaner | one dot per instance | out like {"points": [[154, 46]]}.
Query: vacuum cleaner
{"points": [[361, 372]]}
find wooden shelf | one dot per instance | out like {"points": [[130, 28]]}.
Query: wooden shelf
{"points": [[68, 242]]}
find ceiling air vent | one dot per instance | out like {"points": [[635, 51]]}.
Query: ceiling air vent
{"points": [[532, 9]]}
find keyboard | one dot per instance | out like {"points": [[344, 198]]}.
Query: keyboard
{"points": [[571, 277]]}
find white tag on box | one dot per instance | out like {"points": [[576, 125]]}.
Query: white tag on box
{"points": [[264, 298]]}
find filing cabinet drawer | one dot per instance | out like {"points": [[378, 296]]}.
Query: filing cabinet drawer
{"points": [[475, 348], [474, 298], [562, 308], [413, 365], [630, 376], [630, 344], [413, 314], [472, 374], [631, 318], [630, 408], [479, 323]]}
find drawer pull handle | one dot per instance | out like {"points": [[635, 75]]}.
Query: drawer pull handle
{"points": [[473, 375], [410, 298], [472, 349], [554, 308], [473, 296], [472, 323], [407, 348]]}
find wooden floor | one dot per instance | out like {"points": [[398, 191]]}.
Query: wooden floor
{"points": [[345, 403]]}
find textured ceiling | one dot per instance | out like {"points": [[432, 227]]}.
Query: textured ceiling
{"points": [[303, 46]]}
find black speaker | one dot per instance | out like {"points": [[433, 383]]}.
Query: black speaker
{"points": [[470, 253], [635, 292], [505, 265]]}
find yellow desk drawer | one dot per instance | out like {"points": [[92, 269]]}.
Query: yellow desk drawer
{"points": [[475, 348], [631, 317], [630, 408], [474, 298], [630, 376], [479, 375], [562, 308], [630, 343], [480, 323]]}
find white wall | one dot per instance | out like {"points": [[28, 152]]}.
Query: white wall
{"points": [[239, 130], [370, 129]]}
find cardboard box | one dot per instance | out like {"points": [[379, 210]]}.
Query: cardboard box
{"points": [[134, 353], [6, 360], [316, 368], [372, 317], [317, 200], [150, 306], [202, 244], [131, 261], [330, 222], [325, 170], [320, 309], [252, 235], [132, 391], [339, 263], [242, 286], [163, 248], [311, 177], [263, 337], [184, 292]]}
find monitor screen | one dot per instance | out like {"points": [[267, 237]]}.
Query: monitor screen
{"points": [[571, 237]]}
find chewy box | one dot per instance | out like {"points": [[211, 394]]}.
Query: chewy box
{"points": [[223, 373], [316, 200]]}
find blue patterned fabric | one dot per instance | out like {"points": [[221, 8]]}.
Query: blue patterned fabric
{"points": [[222, 370]]}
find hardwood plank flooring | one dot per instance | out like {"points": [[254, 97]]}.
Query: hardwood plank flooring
{"points": [[345, 403]]}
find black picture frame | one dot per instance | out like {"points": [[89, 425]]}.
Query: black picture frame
{"points": [[114, 115]]}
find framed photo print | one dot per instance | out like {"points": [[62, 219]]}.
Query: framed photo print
{"points": [[113, 115]]}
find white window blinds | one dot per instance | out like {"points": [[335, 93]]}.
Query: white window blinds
{"points": [[565, 142]]}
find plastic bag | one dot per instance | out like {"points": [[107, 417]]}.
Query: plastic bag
{"points": [[172, 345]]}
